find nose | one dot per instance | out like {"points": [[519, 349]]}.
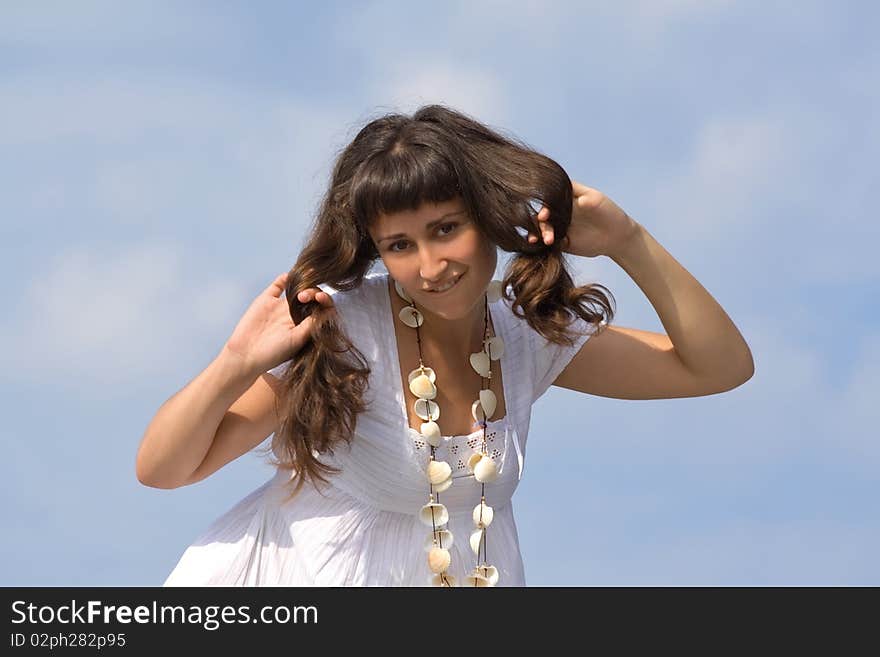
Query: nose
{"points": [[432, 268]]}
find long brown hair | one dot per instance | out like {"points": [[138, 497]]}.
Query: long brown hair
{"points": [[396, 163]]}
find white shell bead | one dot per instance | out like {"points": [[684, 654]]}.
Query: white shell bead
{"points": [[476, 580], [439, 559], [489, 572], [438, 471], [476, 539], [444, 539], [427, 371], [433, 514], [485, 471], [411, 317], [401, 292], [480, 363], [482, 515], [441, 579], [443, 485], [430, 431], [488, 401], [494, 291], [477, 411], [473, 460], [427, 409], [494, 347], [421, 386]]}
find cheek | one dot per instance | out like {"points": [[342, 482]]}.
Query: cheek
{"points": [[483, 251], [474, 246], [405, 273]]}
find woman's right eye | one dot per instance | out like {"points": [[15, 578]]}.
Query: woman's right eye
{"points": [[450, 224]]}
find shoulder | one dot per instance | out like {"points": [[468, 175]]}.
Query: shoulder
{"points": [[365, 295], [541, 359], [361, 308]]}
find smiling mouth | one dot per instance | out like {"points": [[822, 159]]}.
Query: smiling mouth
{"points": [[450, 286]]}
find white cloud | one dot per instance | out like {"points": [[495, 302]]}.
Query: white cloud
{"points": [[793, 550], [103, 318], [850, 417], [774, 188], [714, 192], [407, 85], [156, 152], [791, 408], [90, 24]]}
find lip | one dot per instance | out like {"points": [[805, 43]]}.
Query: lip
{"points": [[457, 281]]}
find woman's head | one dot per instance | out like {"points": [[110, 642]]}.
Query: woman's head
{"points": [[437, 244], [411, 193], [399, 174]]}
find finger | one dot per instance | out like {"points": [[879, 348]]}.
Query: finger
{"points": [[315, 294], [580, 189], [546, 235], [278, 285], [544, 226], [307, 295], [540, 220]]}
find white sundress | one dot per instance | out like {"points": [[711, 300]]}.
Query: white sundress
{"points": [[364, 529]]}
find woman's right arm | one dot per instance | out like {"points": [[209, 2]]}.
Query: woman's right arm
{"points": [[229, 408], [221, 414]]}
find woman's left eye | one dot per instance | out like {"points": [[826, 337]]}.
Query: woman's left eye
{"points": [[453, 225]]}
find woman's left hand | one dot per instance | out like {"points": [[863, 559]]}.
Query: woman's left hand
{"points": [[598, 225]]}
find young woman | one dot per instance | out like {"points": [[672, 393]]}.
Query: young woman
{"points": [[400, 401]]}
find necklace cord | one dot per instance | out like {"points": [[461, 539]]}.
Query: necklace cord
{"points": [[483, 572]]}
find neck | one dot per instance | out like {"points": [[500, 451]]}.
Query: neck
{"points": [[449, 335], [456, 334]]}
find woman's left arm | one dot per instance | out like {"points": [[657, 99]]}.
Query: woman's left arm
{"points": [[703, 337]]}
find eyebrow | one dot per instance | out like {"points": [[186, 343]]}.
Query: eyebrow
{"points": [[429, 226]]}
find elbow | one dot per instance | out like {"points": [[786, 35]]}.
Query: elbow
{"points": [[732, 378], [746, 374], [155, 483], [749, 370], [149, 479], [745, 368], [145, 479], [142, 472]]}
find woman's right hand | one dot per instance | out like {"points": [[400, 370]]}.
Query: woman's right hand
{"points": [[266, 335]]}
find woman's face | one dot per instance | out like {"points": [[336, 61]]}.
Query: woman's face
{"points": [[432, 246]]}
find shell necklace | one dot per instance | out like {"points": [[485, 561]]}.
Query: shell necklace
{"points": [[423, 384]]}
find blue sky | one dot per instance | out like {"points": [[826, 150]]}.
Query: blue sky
{"points": [[160, 162]]}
